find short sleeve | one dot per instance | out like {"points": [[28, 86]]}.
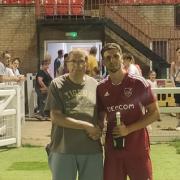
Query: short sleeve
{"points": [[145, 93], [54, 100], [40, 74]]}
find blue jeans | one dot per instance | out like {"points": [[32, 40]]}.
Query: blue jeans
{"points": [[41, 100]]}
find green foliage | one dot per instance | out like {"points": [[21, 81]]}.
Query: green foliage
{"points": [[176, 144]]}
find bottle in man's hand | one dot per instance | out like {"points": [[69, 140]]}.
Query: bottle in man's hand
{"points": [[118, 142]]}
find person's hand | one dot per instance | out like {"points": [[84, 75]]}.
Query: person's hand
{"points": [[94, 132], [44, 90], [21, 78], [120, 130], [97, 135]]}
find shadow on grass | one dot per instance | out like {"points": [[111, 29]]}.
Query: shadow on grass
{"points": [[31, 146], [28, 166], [8, 148], [5, 148]]}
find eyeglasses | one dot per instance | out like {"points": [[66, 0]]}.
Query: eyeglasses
{"points": [[79, 62]]}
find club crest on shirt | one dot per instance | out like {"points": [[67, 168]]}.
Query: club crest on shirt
{"points": [[128, 92]]}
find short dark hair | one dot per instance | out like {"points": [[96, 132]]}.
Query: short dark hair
{"points": [[109, 46], [66, 55], [127, 56], [93, 50], [16, 58], [178, 48], [60, 52]]}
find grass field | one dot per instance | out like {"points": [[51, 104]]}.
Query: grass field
{"points": [[30, 163], [26, 163], [166, 161]]}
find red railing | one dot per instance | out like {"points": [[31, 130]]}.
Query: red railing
{"points": [[163, 39], [23, 2], [142, 2], [123, 22], [117, 2], [127, 17]]}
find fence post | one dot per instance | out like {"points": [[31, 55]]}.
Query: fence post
{"points": [[18, 116]]}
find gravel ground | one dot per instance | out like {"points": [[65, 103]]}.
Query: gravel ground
{"points": [[37, 132]]}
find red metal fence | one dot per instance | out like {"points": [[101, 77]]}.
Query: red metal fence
{"points": [[117, 2], [161, 39]]}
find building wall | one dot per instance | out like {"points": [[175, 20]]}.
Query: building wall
{"points": [[18, 35], [161, 15], [18, 32]]}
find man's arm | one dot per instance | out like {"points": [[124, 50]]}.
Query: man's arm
{"points": [[4, 78], [41, 83], [151, 116], [60, 119], [172, 72]]}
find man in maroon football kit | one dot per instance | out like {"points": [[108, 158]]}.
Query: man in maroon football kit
{"points": [[130, 95]]}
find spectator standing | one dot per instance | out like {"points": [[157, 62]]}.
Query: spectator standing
{"points": [[175, 76], [8, 65], [43, 80], [4, 75], [127, 94], [75, 145], [152, 79], [58, 62], [15, 66], [63, 69], [153, 83], [129, 64], [92, 66]]}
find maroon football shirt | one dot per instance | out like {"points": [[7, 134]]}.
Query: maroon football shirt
{"points": [[129, 98]]}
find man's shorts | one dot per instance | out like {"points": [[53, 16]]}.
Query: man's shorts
{"points": [[118, 166]]}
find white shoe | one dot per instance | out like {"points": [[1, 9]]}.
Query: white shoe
{"points": [[3, 130], [178, 128]]}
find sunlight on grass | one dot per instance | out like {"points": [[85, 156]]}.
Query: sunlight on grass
{"points": [[165, 161]]}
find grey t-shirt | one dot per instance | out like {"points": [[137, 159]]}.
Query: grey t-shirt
{"points": [[76, 101]]}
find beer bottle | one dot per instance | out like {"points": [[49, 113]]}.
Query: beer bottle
{"points": [[118, 142]]}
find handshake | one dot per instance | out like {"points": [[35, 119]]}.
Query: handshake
{"points": [[94, 132]]}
